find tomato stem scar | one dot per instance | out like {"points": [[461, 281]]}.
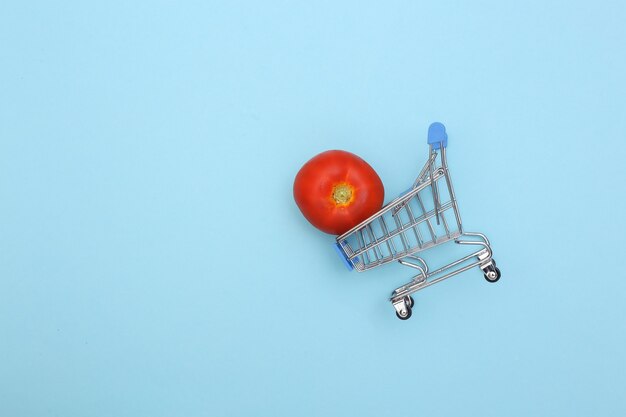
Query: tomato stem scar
{"points": [[342, 194]]}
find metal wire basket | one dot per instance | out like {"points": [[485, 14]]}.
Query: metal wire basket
{"points": [[425, 216]]}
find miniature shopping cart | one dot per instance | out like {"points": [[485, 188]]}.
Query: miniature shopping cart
{"points": [[425, 216]]}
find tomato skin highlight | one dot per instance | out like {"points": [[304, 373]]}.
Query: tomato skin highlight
{"points": [[336, 190]]}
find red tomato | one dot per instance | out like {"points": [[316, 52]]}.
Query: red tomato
{"points": [[336, 190]]}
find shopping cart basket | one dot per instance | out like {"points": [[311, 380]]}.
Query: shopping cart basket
{"points": [[425, 216]]}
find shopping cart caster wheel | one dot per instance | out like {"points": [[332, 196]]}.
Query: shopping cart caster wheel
{"points": [[408, 312], [410, 301], [492, 274]]}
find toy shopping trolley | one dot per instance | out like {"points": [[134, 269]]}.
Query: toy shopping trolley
{"points": [[425, 216]]}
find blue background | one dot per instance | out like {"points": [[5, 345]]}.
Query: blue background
{"points": [[152, 261]]}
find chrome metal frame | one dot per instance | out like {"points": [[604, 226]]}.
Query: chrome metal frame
{"points": [[386, 237]]}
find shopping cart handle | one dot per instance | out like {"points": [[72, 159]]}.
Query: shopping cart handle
{"points": [[344, 258], [437, 135]]}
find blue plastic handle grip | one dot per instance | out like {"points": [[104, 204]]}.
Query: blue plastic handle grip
{"points": [[343, 257], [437, 135]]}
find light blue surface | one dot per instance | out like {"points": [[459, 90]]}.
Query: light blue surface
{"points": [[153, 263]]}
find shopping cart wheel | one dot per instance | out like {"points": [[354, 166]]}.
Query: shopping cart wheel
{"points": [[408, 313], [410, 301], [492, 274]]}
